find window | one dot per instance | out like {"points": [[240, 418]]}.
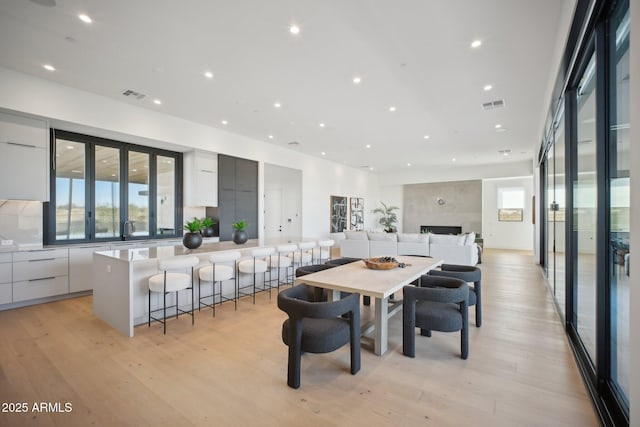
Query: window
{"points": [[108, 190], [510, 204]]}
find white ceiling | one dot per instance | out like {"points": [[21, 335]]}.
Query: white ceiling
{"points": [[412, 54]]}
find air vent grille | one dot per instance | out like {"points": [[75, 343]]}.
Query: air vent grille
{"points": [[293, 143], [493, 104], [134, 94]]}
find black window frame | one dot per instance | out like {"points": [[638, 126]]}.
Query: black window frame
{"points": [[90, 143]]}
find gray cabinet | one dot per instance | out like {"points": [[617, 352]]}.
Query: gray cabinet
{"points": [[238, 194]]}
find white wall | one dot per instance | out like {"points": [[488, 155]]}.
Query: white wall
{"points": [[634, 398], [506, 235], [76, 110]]}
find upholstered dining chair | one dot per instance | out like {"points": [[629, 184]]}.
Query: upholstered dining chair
{"points": [[437, 304], [469, 274], [316, 327], [315, 294]]}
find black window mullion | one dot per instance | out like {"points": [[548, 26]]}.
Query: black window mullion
{"points": [[90, 181], [153, 191], [124, 189]]}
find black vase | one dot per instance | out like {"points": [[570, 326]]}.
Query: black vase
{"points": [[192, 240], [207, 232], [239, 236]]}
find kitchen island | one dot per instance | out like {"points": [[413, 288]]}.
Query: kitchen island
{"points": [[120, 288]]}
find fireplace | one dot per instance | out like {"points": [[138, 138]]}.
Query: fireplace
{"points": [[441, 229]]}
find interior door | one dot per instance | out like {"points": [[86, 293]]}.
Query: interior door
{"points": [[273, 220]]}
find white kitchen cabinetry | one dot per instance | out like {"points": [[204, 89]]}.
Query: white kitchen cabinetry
{"points": [[24, 164], [40, 274], [81, 267], [200, 178], [6, 291]]}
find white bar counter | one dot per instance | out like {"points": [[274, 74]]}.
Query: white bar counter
{"points": [[120, 288]]}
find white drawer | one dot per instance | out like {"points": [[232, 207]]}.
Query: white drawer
{"points": [[5, 273], [5, 293], [5, 257], [32, 289], [40, 254], [40, 268]]}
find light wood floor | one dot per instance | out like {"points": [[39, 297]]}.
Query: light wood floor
{"points": [[231, 370]]}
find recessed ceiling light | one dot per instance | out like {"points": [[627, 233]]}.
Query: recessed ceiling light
{"points": [[208, 74], [157, 102], [277, 104], [321, 125], [85, 18], [270, 137], [426, 137], [476, 43], [498, 126], [49, 67], [453, 160], [224, 122], [487, 88], [505, 152], [294, 29], [368, 145], [392, 108], [408, 164], [70, 147], [357, 80], [370, 168], [323, 153]]}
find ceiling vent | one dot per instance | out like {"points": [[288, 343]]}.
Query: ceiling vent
{"points": [[133, 93], [493, 104], [293, 143]]}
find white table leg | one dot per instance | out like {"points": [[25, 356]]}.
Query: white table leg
{"points": [[382, 320]]}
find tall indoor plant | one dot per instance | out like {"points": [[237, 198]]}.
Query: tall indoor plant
{"points": [[389, 217]]}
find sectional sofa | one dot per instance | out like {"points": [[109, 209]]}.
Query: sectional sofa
{"points": [[453, 249]]}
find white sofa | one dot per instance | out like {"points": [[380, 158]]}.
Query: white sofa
{"points": [[460, 249]]}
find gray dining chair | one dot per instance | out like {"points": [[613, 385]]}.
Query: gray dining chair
{"points": [[316, 327], [436, 304]]}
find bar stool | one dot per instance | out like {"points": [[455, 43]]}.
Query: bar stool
{"points": [[256, 265], [171, 281], [284, 259], [469, 274], [304, 255], [324, 252], [223, 267]]}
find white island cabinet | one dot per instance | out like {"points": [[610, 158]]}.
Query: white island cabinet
{"points": [[121, 280], [24, 165], [81, 267]]}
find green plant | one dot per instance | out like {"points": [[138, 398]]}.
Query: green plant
{"points": [[193, 226], [207, 222], [389, 217], [240, 225]]}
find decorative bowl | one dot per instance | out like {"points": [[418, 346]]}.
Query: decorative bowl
{"points": [[380, 263]]}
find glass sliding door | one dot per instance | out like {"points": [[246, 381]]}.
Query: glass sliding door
{"points": [[138, 194], [585, 196], [107, 192], [166, 195], [559, 215], [70, 201], [619, 185]]}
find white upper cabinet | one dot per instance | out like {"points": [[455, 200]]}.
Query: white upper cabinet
{"points": [[200, 178], [24, 159]]}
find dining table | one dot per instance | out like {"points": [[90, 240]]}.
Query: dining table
{"points": [[380, 285]]}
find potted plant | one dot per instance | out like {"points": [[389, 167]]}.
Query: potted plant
{"points": [[207, 227], [192, 239], [239, 235], [389, 217]]}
